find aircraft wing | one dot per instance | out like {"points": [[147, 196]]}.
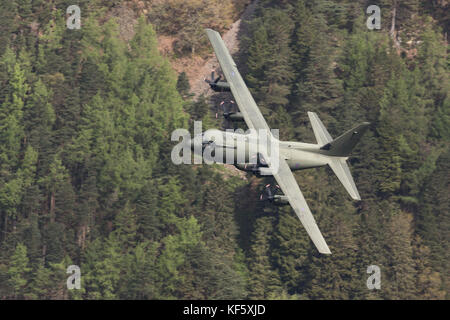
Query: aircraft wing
{"points": [[290, 188], [247, 105]]}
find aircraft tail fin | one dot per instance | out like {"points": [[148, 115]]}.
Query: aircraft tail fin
{"points": [[344, 144], [321, 133], [337, 149]]}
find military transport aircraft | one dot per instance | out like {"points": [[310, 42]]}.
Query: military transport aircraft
{"points": [[291, 155]]}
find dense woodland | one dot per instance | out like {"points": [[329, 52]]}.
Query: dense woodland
{"points": [[86, 177]]}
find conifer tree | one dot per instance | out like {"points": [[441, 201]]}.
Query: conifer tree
{"points": [[18, 271]]}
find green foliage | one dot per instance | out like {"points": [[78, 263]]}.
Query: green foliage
{"points": [[268, 61], [86, 176], [183, 86], [341, 69], [17, 271]]}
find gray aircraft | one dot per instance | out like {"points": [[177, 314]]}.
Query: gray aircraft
{"points": [[291, 155]]}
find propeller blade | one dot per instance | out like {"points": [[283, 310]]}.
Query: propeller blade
{"points": [[259, 159]]}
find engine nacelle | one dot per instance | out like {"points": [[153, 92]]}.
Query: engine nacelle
{"points": [[280, 200], [263, 171], [220, 86], [234, 117], [255, 169]]}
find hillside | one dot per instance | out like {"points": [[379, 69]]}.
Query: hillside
{"points": [[86, 177]]}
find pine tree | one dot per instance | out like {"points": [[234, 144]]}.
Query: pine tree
{"points": [[269, 61], [319, 88], [174, 254], [263, 281], [18, 271], [183, 86], [139, 279], [432, 217], [429, 283], [401, 274], [33, 241], [53, 183], [8, 13], [102, 268]]}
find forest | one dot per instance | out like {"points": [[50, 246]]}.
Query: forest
{"points": [[85, 172]]}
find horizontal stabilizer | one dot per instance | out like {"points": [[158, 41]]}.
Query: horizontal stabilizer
{"points": [[341, 170]]}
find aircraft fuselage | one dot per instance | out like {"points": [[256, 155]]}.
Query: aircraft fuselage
{"points": [[239, 149]]}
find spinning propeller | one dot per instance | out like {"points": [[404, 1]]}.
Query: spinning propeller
{"points": [[213, 82], [272, 194], [269, 192], [216, 84], [227, 110]]}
